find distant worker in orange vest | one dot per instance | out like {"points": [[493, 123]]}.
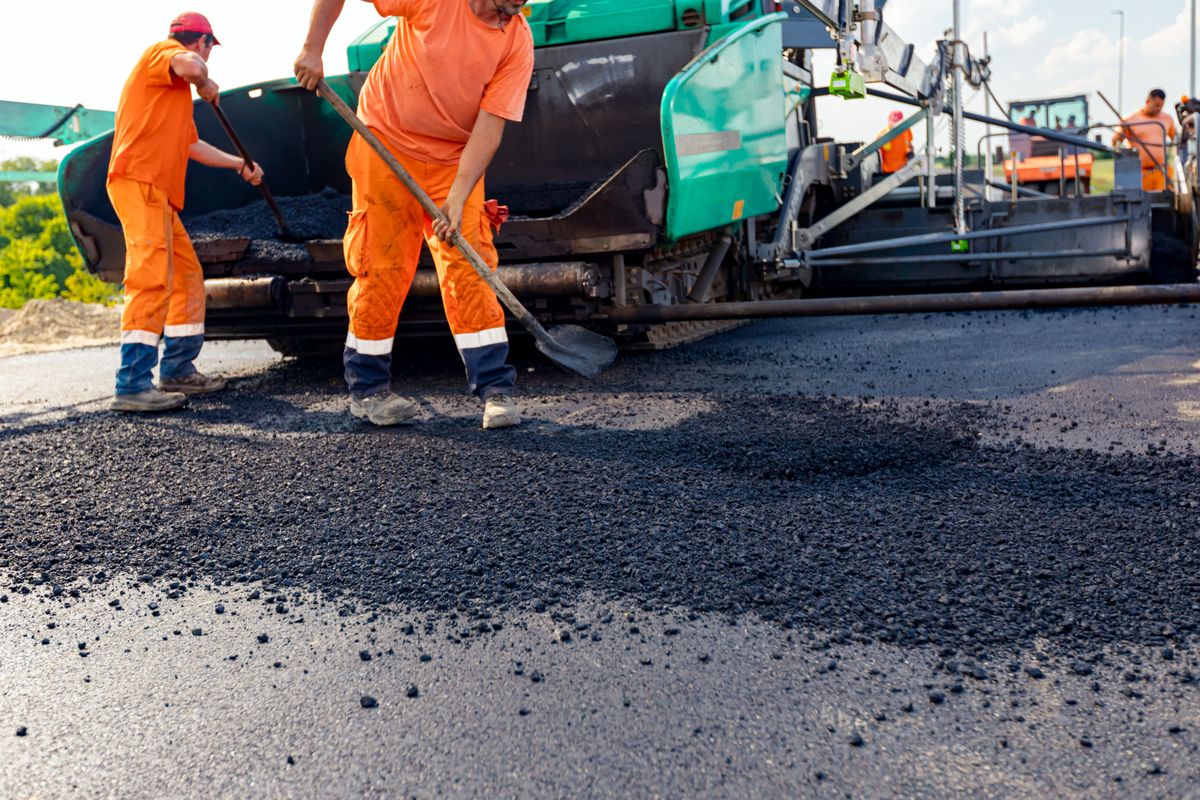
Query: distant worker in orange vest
{"points": [[164, 283], [896, 154], [1150, 132]]}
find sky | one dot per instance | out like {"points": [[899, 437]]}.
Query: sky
{"points": [[80, 51]]}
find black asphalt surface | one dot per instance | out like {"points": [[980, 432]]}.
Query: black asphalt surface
{"points": [[865, 557]]}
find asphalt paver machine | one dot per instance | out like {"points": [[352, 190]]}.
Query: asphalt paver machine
{"points": [[670, 158]]}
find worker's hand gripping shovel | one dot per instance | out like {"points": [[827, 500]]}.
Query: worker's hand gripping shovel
{"points": [[570, 346], [285, 232]]}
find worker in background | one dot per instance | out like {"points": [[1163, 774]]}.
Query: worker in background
{"points": [[1186, 110], [1022, 143], [896, 154], [1150, 132], [452, 76], [164, 285]]}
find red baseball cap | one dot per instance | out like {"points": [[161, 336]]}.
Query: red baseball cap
{"points": [[191, 22]]}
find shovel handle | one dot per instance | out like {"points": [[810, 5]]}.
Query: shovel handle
{"points": [[245, 154], [510, 301]]}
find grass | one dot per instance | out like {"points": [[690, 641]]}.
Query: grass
{"points": [[1102, 176]]}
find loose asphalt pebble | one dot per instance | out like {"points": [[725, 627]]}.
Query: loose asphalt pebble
{"points": [[366, 701], [316, 216], [22, 730]]}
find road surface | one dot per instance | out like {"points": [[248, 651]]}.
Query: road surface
{"points": [[868, 557]]}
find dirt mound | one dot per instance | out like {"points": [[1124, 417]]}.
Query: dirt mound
{"points": [[57, 325]]}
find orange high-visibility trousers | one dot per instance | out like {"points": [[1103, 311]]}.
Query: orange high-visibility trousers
{"points": [[382, 246], [1153, 180], [164, 282]]}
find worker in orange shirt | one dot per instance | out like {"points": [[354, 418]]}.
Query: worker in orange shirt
{"points": [[451, 77], [894, 155], [1150, 131], [164, 285]]}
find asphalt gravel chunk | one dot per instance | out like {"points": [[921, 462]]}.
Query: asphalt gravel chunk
{"points": [[849, 521], [315, 216]]}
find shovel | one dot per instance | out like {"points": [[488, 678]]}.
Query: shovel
{"points": [[285, 231], [569, 346]]}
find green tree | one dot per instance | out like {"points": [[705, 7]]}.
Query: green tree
{"points": [[10, 192], [38, 258]]}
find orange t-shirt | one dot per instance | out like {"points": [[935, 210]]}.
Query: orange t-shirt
{"points": [[443, 65], [894, 155], [155, 127], [1150, 140]]}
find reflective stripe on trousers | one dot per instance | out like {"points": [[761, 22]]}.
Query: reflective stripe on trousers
{"points": [[382, 246], [164, 287]]}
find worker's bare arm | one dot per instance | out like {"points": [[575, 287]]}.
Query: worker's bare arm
{"points": [[204, 153], [480, 150], [310, 66], [192, 68]]}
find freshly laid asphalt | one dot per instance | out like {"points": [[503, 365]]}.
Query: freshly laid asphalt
{"points": [[916, 556]]}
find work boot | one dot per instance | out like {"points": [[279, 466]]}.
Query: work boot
{"points": [[500, 412], [149, 401], [385, 408], [196, 383]]}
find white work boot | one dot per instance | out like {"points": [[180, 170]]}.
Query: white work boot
{"points": [[385, 408], [500, 412], [196, 383], [150, 400]]}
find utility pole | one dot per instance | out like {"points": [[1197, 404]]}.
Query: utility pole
{"points": [[1121, 64], [988, 191], [960, 213]]}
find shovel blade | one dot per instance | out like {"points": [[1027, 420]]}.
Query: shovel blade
{"points": [[582, 351]]}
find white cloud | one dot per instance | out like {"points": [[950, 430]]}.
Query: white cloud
{"points": [[1082, 63], [1021, 33], [1176, 36], [1085, 49], [994, 9]]}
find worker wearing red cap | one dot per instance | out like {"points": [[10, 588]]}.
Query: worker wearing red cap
{"points": [[164, 285], [896, 154], [450, 78]]}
